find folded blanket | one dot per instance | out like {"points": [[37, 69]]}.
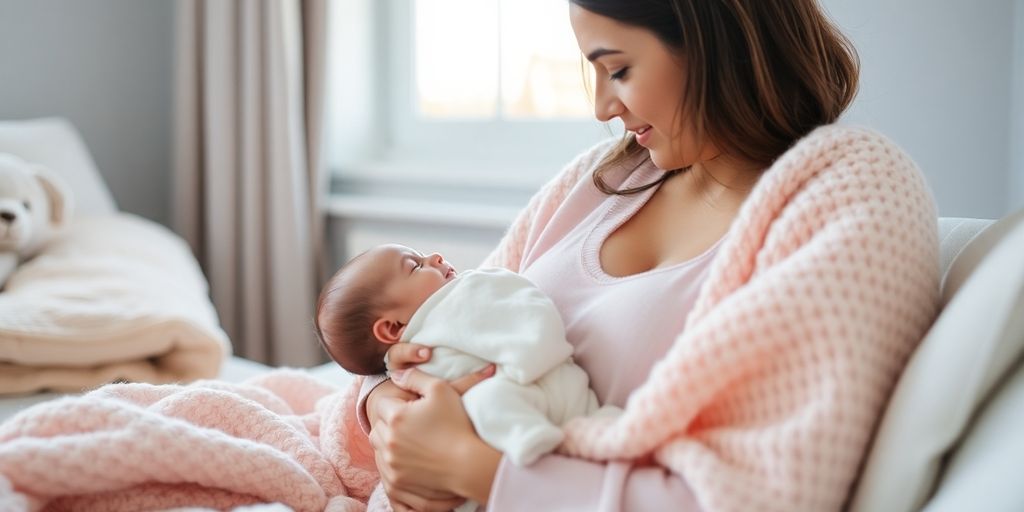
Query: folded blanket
{"points": [[117, 297], [283, 437]]}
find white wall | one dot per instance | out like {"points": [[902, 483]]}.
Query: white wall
{"points": [[107, 66], [1016, 182], [938, 78]]}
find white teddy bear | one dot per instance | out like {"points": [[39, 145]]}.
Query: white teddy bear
{"points": [[35, 205]]}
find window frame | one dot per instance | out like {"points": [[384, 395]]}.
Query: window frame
{"points": [[398, 142]]}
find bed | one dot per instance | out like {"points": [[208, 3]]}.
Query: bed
{"points": [[55, 143]]}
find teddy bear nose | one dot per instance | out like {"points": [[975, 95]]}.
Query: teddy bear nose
{"points": [[8, 216]]}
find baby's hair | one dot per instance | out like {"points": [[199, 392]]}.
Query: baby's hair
{"points": [[347, 333]]}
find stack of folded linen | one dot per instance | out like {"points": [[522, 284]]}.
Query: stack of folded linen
{"points": [[115, 298]]}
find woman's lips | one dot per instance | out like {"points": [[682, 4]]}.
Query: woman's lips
{"points": [[643, 135]]}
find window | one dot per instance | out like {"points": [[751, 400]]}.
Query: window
{"points": [[523, 64], [489, 91]]}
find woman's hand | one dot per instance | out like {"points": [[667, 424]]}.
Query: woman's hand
{"points": [[400, 356], [428, 448]]}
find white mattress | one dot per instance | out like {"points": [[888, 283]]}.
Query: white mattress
{"points": [[235, 370]]}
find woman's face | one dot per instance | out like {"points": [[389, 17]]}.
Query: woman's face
{"points": [[640, 81]]}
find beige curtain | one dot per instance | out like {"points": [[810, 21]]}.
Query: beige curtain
{"points": [[248, 168]]}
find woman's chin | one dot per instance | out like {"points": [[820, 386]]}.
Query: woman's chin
{"points": [[665, 162]]}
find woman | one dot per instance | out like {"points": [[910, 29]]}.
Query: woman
{"points": [[745, 280]]}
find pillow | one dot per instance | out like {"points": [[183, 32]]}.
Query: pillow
{"points": [[56, 144], [983, 471], [967, 351]]}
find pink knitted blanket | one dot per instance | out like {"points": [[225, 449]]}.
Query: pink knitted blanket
{"points": [[284, 438], [827, 281]]}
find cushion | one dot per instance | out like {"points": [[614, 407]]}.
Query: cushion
{"points": [[984, 470], [117, 297], [56, 144], [971, 346]]}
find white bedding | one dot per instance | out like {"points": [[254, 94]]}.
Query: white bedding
{"points": [[236, 369], [116, 297]]}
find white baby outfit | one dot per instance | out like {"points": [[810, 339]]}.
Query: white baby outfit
{"points": [[497, 316]]}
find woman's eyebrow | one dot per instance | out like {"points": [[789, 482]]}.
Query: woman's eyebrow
{"points": [[601, 52]]}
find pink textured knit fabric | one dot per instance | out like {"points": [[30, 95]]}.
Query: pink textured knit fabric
{"points": [[824, 285], [282, 438]]}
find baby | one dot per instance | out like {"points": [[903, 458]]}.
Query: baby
{"points": [[393, 294]]}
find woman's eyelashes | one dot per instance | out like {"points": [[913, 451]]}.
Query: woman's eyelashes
{"points": [[619, 75]]}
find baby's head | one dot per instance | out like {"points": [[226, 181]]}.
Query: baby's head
{"points": [[364, 308]]}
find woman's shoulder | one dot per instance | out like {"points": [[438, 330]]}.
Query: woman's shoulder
{"points": [[851, 142], [840, 151]]}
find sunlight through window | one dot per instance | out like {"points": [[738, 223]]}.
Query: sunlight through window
{"points": [[497, 59]]}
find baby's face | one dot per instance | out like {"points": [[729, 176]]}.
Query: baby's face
{"points": [[409, 277]]}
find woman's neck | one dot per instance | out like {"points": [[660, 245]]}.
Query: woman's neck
{"points": [[724, 180]]}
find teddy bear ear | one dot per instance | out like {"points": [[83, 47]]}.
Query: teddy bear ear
{"points": [[58, 193]]}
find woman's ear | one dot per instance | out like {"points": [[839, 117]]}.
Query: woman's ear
{"points": [[388, 331]]}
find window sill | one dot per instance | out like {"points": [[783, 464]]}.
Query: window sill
{"points": [[420, 211], [479, 195], [487, 175]]}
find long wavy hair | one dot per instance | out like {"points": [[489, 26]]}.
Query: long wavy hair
{"points": [[761, 73]]}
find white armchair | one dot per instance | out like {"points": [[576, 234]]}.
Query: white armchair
{"points": [[952, 438]]}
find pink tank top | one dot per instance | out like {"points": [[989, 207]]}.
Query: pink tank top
{"points": [[619, 326]]}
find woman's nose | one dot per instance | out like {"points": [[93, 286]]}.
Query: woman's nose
{"points": [[606, 104]]}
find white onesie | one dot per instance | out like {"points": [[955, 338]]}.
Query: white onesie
{"points": [[497, 316]]}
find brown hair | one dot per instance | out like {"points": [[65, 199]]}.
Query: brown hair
{"points": [[347, 332], [761, 73]]}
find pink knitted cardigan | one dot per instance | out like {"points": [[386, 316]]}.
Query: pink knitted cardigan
{"points": [[825, 284]]}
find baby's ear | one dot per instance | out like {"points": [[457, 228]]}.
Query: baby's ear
{"points": [[388, 331]]}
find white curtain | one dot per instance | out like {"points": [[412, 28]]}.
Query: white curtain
{"points": [[248, 168]]}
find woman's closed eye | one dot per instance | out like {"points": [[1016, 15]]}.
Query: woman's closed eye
{"points": [[618, 75]]}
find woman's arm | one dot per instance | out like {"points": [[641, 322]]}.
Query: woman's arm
{"points": [[430, 446]]}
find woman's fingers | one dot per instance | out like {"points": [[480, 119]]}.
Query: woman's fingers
{"points": [[462, 384], [409, 496], [414, 502], [416, 381], [384, 391], [421, 383], [400, 507], [407, 355], [387, 407]]}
